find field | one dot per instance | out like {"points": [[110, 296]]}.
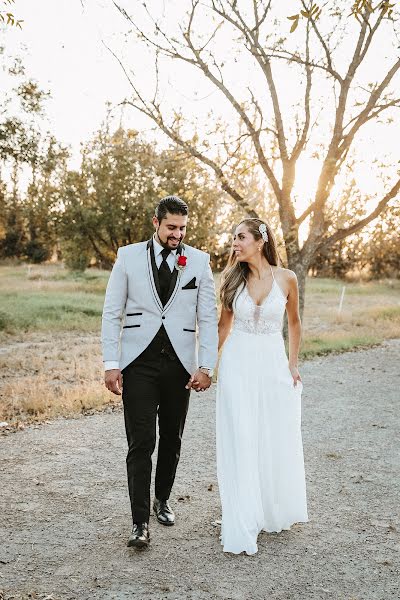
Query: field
{"points": [[49, 335]]}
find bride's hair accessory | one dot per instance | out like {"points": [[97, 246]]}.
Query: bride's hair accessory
{"points": [[263, 230]]}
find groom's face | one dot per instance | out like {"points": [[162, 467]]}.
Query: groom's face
{"points": [[171, 230]]}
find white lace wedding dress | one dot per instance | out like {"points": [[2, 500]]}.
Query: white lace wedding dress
{"points": [[259, 445]]}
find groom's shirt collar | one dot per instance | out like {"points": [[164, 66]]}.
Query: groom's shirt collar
{"points": [[158, 258], [158, 248]]}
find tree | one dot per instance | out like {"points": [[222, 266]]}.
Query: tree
{"points": [[381, 250], [110, 201], [42, 198], [25, 146], [6, 16], [318, 54]]}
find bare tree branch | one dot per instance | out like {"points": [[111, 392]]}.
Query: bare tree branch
{"points": [[255, 134], [379, 109], [300, 144], [366, 114], [305, 214], [292, 57], [340, 234], [256, 48], [338, 149], [321, 40], [286, 209]]}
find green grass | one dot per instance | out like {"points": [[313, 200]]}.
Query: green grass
{"points": [[320, 346], [49, 298], [41, 311], [370, 314], [363, 288], [52, 278]]}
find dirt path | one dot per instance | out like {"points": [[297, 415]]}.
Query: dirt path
{"points": [[64, 515]]}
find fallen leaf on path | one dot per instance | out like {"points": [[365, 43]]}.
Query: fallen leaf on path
{"points": [[183, 498], [334, 455]]}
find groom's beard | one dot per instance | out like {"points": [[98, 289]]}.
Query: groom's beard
{"points": [[166, 244]]}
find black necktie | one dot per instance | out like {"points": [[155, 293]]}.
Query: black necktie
{"points": [[164, 276]]}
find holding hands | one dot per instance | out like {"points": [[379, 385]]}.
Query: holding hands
{"points": [[199, 381]]}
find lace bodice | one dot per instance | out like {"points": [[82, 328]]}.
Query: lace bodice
{"points": [[259, 319]]}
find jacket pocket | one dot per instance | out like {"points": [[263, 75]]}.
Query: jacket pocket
{"points": [[191, 330], [133, 314], [191, 285], [130, 326]]}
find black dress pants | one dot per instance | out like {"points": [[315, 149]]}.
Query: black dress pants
{"points": [[154, 383]]}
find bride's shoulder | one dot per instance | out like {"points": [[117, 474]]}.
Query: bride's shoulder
{"points": [[286, 279], [285, 274]]}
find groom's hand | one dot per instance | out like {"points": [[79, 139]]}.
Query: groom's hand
{"points": [[113, 381], [199, 381]]}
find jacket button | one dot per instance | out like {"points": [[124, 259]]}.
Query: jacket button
{"points": [[163, 317]]}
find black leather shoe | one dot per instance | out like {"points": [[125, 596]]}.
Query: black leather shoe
{"points": [[164, 513], [140, 537]]}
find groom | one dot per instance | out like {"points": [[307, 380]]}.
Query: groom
{"points": [[158, 292]]}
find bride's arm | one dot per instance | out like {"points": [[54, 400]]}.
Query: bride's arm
{"points": [[294, 325], [224, 326]]}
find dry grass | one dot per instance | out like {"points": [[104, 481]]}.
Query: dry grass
{"points": [[37, 398], [45, 377], [370, 314]]}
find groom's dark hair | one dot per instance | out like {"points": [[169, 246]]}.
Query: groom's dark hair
{"points": [[172, 205]]}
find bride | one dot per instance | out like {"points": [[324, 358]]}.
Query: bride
{"points": [[259, 445]]}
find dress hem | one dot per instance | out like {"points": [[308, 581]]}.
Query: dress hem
{"points": [[251, 553]]}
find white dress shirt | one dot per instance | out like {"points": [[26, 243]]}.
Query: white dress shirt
{"points": [[171, 258]]}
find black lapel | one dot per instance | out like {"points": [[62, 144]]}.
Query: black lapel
{"points": [[175, 272], [154, 267], [174, 276]]}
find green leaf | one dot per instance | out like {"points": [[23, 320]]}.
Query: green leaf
{"points": [[294, 26], [293, 17]]}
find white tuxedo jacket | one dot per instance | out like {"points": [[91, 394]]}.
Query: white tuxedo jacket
{"points": [[133, 312]]}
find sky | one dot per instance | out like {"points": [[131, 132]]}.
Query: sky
{"points": [[67, 52]]}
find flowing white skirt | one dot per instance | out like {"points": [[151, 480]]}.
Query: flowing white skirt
{"points": [[259, 444]]}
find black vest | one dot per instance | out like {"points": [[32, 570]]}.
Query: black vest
{"points": [[161, 343]]}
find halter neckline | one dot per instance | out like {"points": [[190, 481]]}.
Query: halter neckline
{"points": [[269, 293]]}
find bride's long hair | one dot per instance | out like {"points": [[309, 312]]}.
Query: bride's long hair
{"points": [[235, 272]]}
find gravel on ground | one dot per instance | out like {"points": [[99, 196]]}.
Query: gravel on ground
{"points": [[64, 510]]}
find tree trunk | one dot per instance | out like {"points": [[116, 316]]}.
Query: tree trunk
{"points": [[296, 264]]}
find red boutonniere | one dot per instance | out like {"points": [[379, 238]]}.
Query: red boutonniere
{"points": [[181, 262]]}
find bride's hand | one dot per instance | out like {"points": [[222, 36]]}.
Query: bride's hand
{"points": [[295, 374]]}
